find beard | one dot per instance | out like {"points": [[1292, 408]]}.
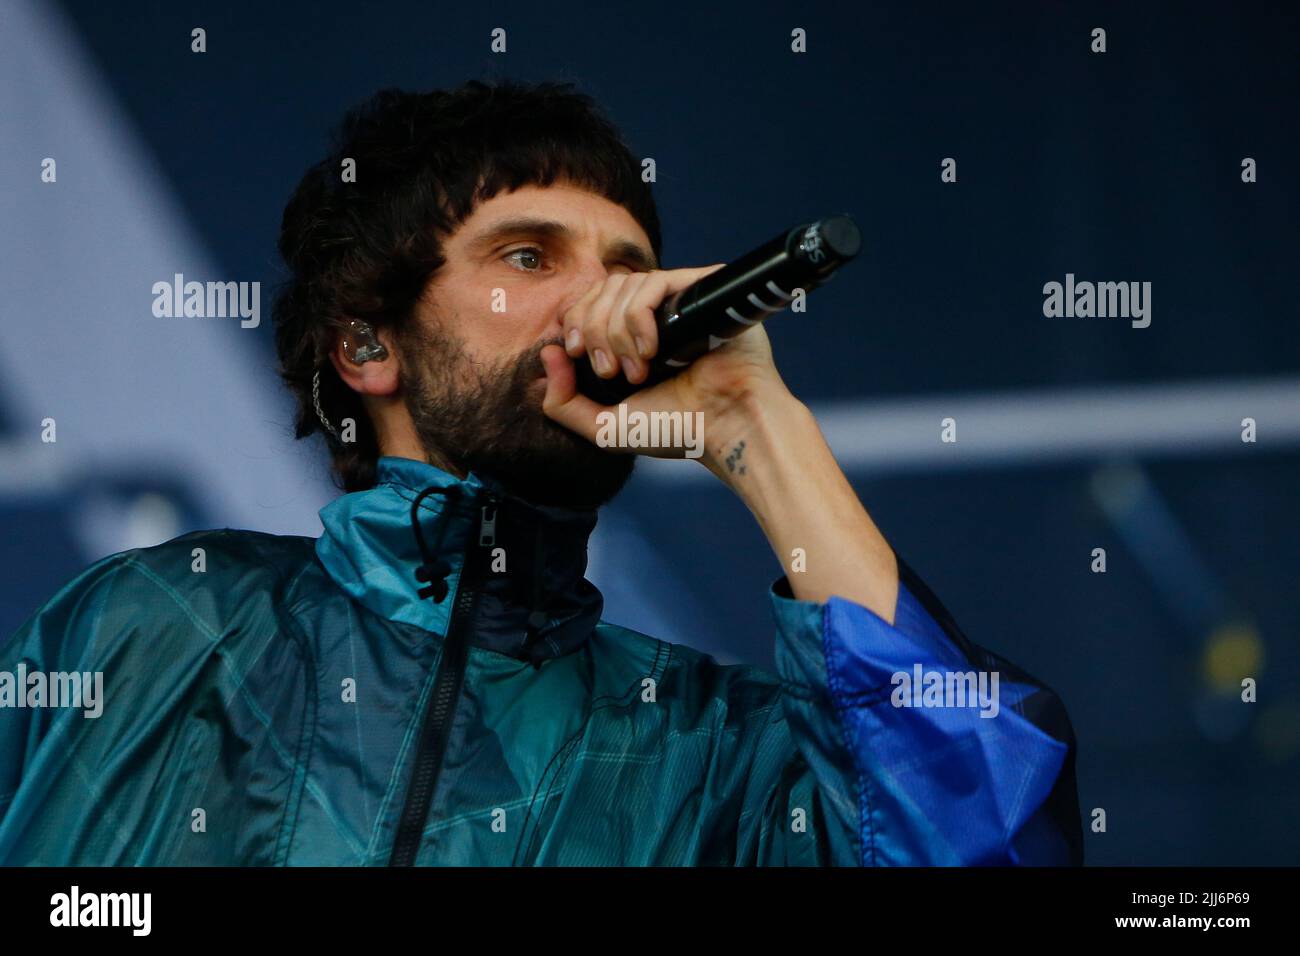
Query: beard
{"points": [[488, 419]]}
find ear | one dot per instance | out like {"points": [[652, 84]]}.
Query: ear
{"points": [[375, 377]]}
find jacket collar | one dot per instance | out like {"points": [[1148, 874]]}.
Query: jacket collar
{"points": [[533, 602]]}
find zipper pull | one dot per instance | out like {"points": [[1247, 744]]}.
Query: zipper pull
{"points": [[487, 526]]}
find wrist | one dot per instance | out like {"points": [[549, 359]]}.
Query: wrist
{"points": [[760, 424]]}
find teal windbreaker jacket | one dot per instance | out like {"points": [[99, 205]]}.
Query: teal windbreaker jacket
{"points": [[430, 683]]}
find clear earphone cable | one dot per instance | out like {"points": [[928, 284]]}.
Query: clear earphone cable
{"points": [[315, 400]]}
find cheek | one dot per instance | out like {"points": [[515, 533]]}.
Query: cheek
{"points": [[506, 319], [524, 323]]}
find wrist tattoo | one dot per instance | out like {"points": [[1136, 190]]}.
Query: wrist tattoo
{"points": [[733, 460]]}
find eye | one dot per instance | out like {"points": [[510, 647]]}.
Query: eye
{"points": [[531, 252]]}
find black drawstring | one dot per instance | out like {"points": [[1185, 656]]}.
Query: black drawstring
{"points": [[432, 572]]}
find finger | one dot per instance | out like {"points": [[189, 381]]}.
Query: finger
{"points": [[595, 334], [561, 382], [639, 316], [621, 339], [679, 279], [563, 403], [620, 342], [574, 318]]}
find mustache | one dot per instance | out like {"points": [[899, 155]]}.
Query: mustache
{"points": [[517, 378]]}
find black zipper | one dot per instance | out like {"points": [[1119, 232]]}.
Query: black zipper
{"points": [[435, 730]]}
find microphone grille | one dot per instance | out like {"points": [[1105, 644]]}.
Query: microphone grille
{"points": [[841, 235]]}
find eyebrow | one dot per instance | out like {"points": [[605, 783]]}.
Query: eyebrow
{"points": [[626, 249]]}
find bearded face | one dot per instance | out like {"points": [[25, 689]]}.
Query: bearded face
{"points": [[488, 418]]}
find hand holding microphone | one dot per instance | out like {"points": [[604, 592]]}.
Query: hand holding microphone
{"points": [[722, 302], [643, 329]]}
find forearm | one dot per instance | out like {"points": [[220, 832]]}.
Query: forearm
{"points": [[773, 455]]}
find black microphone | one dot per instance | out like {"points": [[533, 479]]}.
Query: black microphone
{"points": [[732, 299]]}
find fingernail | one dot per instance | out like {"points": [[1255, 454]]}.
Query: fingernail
{"points": [[629, 366], [573, 338], [641, 349], [602, 362]]}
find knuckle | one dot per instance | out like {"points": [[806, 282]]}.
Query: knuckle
{"points": [[640, 319], [620, 341], [593, 336]]}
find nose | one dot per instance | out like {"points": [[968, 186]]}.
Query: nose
{"points": [[585, 275]]}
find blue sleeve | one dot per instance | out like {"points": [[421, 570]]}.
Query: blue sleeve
{"points": [[942, 753]]}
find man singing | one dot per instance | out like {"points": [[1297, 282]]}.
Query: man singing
{"points": [[429, 682]]}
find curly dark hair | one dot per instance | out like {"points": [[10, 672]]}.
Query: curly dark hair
{"points": [[424, 161]]}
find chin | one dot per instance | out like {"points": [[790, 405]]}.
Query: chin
{"points": [[562, 469]]}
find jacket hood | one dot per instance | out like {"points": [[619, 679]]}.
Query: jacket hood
{"points": [[399, 549]]}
